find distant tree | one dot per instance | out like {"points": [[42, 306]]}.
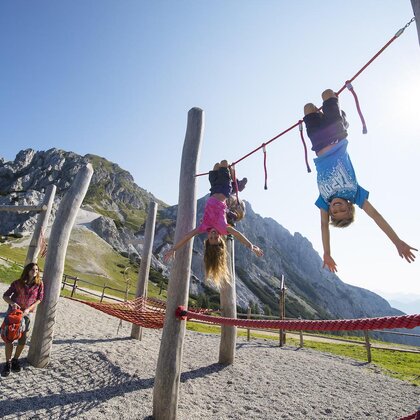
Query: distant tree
{"points": [[267, 310]]}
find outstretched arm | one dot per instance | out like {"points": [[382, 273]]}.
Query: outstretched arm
{"points": [[171, 252], [245, 241], [404, 250], [325, 231]]}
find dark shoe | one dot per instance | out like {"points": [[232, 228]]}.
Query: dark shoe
{"points": [[231, 218], [241, 185], [6, 369], [16, 365]]}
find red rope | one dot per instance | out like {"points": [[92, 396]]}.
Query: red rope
{"points": [[235, 182], [399, 32], [308, 168], [359, 111], [414, 416], [404, 321], [265, 167]]}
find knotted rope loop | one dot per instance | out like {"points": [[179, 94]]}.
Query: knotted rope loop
{"points": [[264, 149], [349, 86], [308, 168], [181, 313], [235, 181]]}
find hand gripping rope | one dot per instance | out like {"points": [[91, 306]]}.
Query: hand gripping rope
{"points": [[348, 85]]}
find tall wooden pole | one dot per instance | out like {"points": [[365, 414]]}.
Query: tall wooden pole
{"points": [[168, 371], [282, 310], [149, 235], [416, 9], [228, 303], [41, 226], [42, 335]]}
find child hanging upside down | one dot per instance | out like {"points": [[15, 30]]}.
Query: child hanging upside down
{"points": [[337, 183], [215, 224]]}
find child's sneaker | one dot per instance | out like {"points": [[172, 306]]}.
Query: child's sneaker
{"points": [[6, 369], [231, 218], [16, 365], [241, 184]]}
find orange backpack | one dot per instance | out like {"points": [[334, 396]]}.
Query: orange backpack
{"points": [[13, 326]]}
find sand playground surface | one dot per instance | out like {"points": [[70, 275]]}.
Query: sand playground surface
{"points": [[96, 373]]}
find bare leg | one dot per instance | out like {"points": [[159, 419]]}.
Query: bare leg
{"points": [[19, 349], [8, 351]]}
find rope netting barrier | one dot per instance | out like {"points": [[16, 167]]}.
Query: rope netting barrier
{"points": [[145, 312], [150, 313], [403, 321], [348, 84]]}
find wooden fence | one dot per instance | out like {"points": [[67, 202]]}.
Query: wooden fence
{"points": [[73, 283]]}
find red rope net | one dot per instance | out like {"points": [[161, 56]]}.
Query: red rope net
{"points": [[145, 312], [150, 313], [404, 321]]}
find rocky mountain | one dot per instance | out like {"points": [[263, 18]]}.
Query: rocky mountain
{"points": [[121, 207], [112, 194]]}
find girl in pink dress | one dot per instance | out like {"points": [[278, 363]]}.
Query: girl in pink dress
{"points": [[215, 224]]}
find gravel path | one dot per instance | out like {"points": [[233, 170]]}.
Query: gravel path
{"points": [[95, 373]]}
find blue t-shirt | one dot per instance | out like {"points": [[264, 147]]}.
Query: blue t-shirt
{"points": [[336, 177]]}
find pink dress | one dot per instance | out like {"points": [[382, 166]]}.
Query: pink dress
{"points": [[214, 217]]}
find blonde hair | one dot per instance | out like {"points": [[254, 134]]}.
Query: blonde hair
{"points": [[344, 222], [215, 261], [236, 206]]}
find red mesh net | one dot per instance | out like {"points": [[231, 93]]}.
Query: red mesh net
{"points": [[145, 312]]}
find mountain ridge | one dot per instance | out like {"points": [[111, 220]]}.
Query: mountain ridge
{"points": [[122, 207]]}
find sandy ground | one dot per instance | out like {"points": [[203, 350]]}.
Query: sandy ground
{"points": [[97, 373]]}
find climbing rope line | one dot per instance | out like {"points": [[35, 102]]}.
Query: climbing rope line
{"points": [[347, 84], [403, 321], [150, 313]]}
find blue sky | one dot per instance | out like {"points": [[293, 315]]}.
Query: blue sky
{"points": [[117, 78]]}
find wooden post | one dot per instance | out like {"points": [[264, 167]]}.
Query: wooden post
{"points": [[166, 389], [41, 226], [24, 209], [416, 9], [103, 293], [73, 290], [143, 277], [367, 344], [248, 330], [228, 303], [282, 303], [301, 336], [42, 335]]}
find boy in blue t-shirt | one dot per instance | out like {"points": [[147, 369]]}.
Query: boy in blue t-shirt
{"points": [[337, 183]]}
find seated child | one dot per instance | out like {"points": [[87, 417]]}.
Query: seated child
{"points": [[215, 224], [337, 184]]}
